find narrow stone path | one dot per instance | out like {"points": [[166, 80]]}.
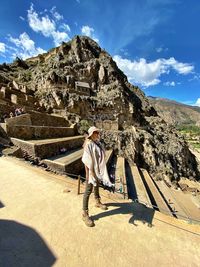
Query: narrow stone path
{"points": [[40, 225]]}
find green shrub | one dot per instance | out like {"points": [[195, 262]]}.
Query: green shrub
{"points": [[84, 125]]}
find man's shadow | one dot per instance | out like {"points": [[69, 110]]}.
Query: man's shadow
{"points": [[138, 212], [21, 245]]}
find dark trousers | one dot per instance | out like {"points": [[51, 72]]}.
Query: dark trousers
{"points": [[88, 191]]}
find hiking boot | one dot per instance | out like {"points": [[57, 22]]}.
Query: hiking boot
{"points": [[100, 205], [88, 221]]}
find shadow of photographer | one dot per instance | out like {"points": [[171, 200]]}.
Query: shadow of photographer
{"points": [[21, 245]]}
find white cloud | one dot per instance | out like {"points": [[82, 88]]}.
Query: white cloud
{"points": [[65, 27], [22, 18], [2, 47], [170, 83], [46, 26], [159, 49], [148, 73], [181, 68], [89, 31], [59, 37], [25, 47], [43, 25], [56, 15], [86, 30], [197, 102]]}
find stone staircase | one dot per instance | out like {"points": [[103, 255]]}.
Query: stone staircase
{"points": [[47, 139], [135, 183]]}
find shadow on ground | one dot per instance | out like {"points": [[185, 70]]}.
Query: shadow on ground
{"points": [[138, 212], [22, 246], [1, 205]]}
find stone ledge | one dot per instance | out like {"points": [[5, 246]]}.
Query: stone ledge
{"points": [[27, 132], [70, 163], [49, 147]]}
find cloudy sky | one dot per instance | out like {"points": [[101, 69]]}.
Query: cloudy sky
{"points": [[155, 42]]}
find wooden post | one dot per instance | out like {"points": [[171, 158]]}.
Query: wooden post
{"points": [[124, 188], [79, 181]]}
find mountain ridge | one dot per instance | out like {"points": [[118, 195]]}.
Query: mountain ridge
{"points": [[175, 112]]}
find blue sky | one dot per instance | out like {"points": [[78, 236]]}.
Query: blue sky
{"points": [[155, 42]]}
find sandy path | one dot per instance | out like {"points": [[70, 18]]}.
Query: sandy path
{"points": [[41, 226]]}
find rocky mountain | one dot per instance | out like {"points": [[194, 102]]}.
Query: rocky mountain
{"points": [[80, 81], [176, 113]]}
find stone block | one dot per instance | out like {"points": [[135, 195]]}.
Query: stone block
{"points": [[4, 92], [106, 125], [14, 99], [18, 99], [1, 95], [23, 119], [15, 85], [98, 124]]}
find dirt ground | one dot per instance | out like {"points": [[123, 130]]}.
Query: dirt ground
{"points": [[40, 225]]}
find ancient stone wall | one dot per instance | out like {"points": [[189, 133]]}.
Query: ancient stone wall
{"points": [[52, 149], [38, 132], [48, 120], [24, 119], [107, 125]]}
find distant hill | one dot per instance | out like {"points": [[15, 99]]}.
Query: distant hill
{"points": [[176, 113]]}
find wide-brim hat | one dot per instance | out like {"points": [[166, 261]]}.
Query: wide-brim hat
{"points": [[91, 130]]}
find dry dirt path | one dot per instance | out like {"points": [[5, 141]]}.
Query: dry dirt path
{"points": [[40, 225]]}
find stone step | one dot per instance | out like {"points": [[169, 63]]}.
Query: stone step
{"points": [[120, 177], [171, 198], [28, 132], [156, 195], [141, 192], [46, 148], [70, 162]]}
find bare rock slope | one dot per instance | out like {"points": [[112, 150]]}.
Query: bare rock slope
{"points": [[176, 113], [79, 80]]}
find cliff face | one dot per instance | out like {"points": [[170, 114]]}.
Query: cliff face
{"points": [[81, 81]]}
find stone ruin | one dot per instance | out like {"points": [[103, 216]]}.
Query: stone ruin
{"points": [[80, 81]]}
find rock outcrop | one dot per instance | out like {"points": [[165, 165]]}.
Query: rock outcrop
{"points": [[80, 81]]}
